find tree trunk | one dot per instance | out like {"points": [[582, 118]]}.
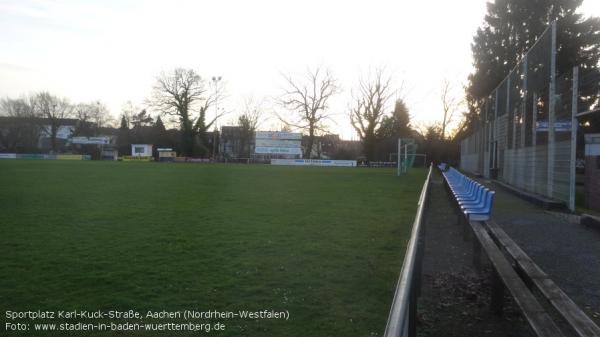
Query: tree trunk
{"points": [[309, 145], [53, 132], [242, 149], [187, 134], [369, 147], [444, 125]]}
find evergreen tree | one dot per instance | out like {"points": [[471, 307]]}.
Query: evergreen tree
{"points": [[397, 125], [159, 137], [393, 127], [124, 138], [511, 27], [247, 129], [124, 123], [141, 119], [159, 125]]}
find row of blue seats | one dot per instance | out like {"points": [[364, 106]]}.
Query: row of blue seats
{"points": [[474, 200]]}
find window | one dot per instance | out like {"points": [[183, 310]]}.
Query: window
{"points": [[138, 149]]}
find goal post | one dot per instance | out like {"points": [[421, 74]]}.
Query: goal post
{"points": [[399, 155], [407, 149]]}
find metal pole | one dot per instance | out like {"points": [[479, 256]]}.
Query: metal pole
{"points": [[398, 158], [551, 113], [514, 148], [488, 145], [405, 158], [481, 153], [404, 297], [572, 162], [523, 155], [534, 139], [495, 138], [511, 117]]}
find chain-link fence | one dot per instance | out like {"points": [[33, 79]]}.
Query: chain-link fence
{"points": [[524, 138]]}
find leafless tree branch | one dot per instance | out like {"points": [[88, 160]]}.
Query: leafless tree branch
{"points": [[308, 102], [368, 107], [183, 93], [450, 105]]}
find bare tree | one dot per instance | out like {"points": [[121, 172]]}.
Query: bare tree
{"points": [[91, 117], [216, 95], [368, 109], [308, 100], [248, 121], [182, 93], [22, 131], [19, 107], [450, 105], [54, 109], [101, 116], [128, 110], [83, 113]]}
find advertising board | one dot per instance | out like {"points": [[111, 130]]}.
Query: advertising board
{"points": [[270, 142], [8, 156], [314, 162], [91, 140]]}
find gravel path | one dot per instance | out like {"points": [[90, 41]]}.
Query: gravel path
{"points": [[568, 252]]}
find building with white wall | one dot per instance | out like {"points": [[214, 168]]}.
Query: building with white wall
{"points": [[141, 150]]}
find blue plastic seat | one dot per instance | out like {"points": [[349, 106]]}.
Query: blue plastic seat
{"points": [[477, 203], [469, 194], [474, 200], [469, 191], [481, 213]]}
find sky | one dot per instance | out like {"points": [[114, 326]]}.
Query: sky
{"points": [[113, 51]]}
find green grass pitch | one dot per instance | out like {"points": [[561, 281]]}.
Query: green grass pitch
{"points": [[325, 244]]}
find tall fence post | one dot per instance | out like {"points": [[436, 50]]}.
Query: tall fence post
{"points": [[483, 141], [488, 142], [523, 120], [495, 140], [534, 139], [508, 159], [552, 113], [574, 125]]}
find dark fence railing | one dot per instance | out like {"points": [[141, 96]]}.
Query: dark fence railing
{"points": [[402, 317]]}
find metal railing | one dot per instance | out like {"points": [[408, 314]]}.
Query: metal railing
{"points": [[402, 317]]}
